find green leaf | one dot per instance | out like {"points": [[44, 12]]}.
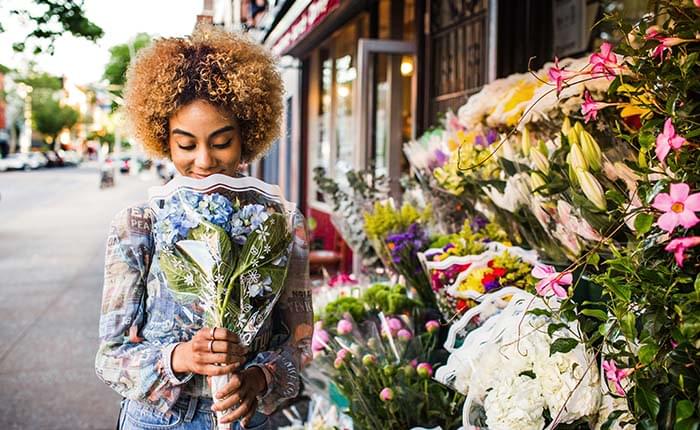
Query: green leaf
{"points": [[643, 223], [697, 286], [627, 326], [594, 259], [540, 312], [684, 409], [563, 345], [176, 267], [614, 415], [647, 352], [595, 313], [689, 424], [646, 401], [552, 328]]}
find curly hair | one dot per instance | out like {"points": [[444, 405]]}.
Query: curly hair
{"points": [[231, 72]]}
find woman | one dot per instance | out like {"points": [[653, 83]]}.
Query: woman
{"points": [[209, 102]]}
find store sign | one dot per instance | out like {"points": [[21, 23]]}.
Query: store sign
{"points": [[313, 15]]}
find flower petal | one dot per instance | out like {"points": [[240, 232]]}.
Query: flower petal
{"points": [[688, 219], [668, 221], [692, 203], [662, 148], [566, 279], [542, 271], [662, 202], [669, 131], [676, 142], [679, 192]]}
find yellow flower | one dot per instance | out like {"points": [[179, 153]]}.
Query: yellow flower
{"points": [[639, 100], [473, 281]]}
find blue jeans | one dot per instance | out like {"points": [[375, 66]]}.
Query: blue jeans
{"points": [[189, 413]]}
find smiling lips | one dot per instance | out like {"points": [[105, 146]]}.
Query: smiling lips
{"points": [[198, 175]]}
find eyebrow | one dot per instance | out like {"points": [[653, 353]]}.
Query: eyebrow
{"points": [[214, 133]]}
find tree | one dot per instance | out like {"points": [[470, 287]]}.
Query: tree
{"points": [[50, 117], [56, 18], [120, 57]]}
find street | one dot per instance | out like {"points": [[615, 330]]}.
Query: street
{"points": [[53, 228]]}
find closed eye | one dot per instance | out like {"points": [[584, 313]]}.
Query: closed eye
{"points": [[223, 145], [186, 147]]}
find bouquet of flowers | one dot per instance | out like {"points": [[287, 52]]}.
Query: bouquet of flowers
{"points": [[398, 235], [224, 242], [534, 378], [380, 365]]}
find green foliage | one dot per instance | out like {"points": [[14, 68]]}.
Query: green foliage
{"points": [[385, 218], [335, 310], [57, 17], [50, 117], [120, 57], [391, 300]]}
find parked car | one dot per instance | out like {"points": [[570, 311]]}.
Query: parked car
{"points": [[3, 165], [70, 158], [36, 160], [17, 162]]}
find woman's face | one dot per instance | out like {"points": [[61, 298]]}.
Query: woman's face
{"points": [[203, 141]]}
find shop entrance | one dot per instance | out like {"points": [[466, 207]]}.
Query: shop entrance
{"points": [[386, 101]]}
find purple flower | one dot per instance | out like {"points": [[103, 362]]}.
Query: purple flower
{"points": [[491, 285], [478, 222], [491, 136]]}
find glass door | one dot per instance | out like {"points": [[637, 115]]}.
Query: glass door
{"points": [[386, 101]]}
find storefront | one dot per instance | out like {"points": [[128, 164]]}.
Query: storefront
{"points": [[368, 75]]}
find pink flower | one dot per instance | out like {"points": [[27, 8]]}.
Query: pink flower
{"points": [[342, 279], [668, 140], [615, 375], [338, 363], [679, 207], [319, 340], [590, 107], [404, 335], [678, 246], [342, 354], [696, 3], [344, 327], [394, 325], [557, 75], [424, 370], [432, 326], [551, 280], [604, 62], [652, 32], [387, 394]]}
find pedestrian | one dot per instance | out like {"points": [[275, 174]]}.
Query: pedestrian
{"points": [[209, 102]]}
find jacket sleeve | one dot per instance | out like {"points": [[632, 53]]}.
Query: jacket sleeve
{"points": [[291, 339], [132, 366]]}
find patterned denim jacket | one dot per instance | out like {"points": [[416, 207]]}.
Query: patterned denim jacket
{"points": [[141, 323]]}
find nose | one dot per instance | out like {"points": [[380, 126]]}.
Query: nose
{"points": [[204, 160]]}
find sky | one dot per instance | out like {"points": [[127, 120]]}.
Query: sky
{"points": [[82, 61]]}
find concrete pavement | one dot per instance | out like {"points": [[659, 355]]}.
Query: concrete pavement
{"points": [[53, 228]]}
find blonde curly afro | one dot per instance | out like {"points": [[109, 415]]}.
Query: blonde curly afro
{"points": [[229, 71]]}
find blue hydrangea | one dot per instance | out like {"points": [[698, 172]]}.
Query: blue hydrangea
{"points": [[243, 222], [184, 210]]}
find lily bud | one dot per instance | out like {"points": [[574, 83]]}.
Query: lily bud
{"points": [[592, 189], [536, 180], [591, 151], [540, 161], [576, 158], [525, 142], [578, 127], [572, 136], [566, 126]]}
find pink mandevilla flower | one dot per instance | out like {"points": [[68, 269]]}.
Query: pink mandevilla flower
{"points": [[615, 375], [557, 75], [679, 207], [668, 140], [679, 246], [696, 3], [551, 280], [604, 62], [590, 107]]}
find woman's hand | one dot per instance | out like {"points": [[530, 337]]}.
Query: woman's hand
{"points": [[241, 393], [212, 351]]}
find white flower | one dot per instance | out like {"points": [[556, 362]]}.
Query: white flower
{"points": [[515, 403], [516, 193]]}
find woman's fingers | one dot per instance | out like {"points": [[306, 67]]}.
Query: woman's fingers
{"points": [[211, 346], [214, 370], [248, 404]]}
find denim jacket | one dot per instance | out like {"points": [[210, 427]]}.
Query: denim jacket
{"points": [[141, 322]]}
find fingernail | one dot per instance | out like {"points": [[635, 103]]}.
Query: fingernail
{"points": [[213, 408]]}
